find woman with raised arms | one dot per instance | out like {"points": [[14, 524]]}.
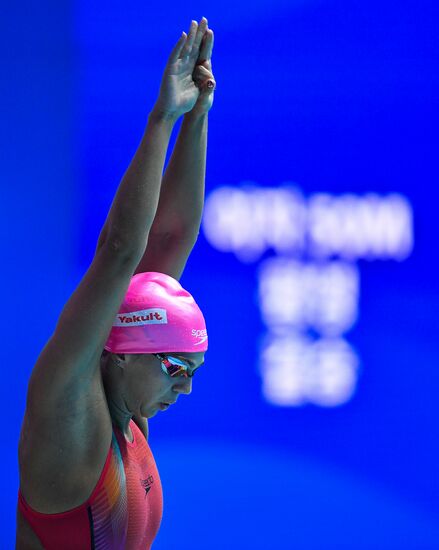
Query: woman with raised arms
{"points": [[128, 340]]}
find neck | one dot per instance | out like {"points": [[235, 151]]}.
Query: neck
{"points": [[120, 415], [119, 412]]}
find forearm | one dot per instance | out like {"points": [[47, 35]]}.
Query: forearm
{"points": [[181, 201], [135, 203]]}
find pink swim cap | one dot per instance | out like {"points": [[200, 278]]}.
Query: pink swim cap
{"points": [[157, 315]]}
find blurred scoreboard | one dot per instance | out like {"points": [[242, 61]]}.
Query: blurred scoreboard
{"points": [[307, 251]]}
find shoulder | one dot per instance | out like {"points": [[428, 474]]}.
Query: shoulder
{"points": [[75, 438]]}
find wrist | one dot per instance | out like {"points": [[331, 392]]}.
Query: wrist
{"points": [[158, 115], [194, 116]]}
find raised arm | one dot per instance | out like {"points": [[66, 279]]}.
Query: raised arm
{"points": [[135, 204], [86, 319], [178, 218]]}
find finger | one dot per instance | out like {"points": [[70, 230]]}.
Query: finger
{"points": [[206, 46], [177, 49], [190, 39], [202, 27]]}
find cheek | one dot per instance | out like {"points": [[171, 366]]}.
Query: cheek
{"points": [[151, 385]]}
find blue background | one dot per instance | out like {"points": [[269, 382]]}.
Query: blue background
{"points": [[336, 96]]}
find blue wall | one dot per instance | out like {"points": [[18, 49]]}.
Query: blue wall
{"points": [[332, 97]]}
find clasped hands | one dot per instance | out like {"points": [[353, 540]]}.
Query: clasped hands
{"points": [[188, 82]]}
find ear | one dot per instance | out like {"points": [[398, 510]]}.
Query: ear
{"points": [[119, 359]]}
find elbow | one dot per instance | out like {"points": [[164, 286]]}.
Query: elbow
{"points": [[183, 233], [124, 250]]}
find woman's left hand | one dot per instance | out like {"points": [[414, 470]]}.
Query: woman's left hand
{"points": [[203, 76]]}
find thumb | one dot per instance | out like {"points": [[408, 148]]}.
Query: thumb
{"points": [[202, 77], [208, 86]]}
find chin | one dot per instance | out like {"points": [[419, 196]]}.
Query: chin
{"points": [[148, 412]]}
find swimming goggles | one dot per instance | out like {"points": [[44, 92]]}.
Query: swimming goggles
{"points": [[172, 366]]}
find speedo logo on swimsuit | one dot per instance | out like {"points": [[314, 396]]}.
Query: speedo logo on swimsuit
{"points": [[147, 484], [154, 316], [201, 334]]}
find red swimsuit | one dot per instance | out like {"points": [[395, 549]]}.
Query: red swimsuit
{"points": [[123, 512]]}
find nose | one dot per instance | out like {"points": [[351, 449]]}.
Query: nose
{"points": [[184, 385]]}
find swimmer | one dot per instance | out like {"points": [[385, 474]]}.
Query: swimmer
{"points": [[127, 342]]}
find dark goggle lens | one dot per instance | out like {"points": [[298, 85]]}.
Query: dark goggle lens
{"points": [[173, 366], [176, 370]]}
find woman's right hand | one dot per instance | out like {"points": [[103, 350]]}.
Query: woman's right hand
{"points": [[178, 91]]}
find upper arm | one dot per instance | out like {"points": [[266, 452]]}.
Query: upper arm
{"points": [[167, 254], [72, 353]]}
